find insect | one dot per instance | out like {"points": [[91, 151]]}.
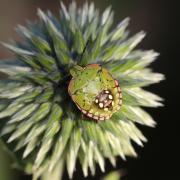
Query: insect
{"points": [[95, 92]]}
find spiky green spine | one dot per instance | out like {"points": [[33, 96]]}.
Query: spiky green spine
{"points": [[38, 120]]}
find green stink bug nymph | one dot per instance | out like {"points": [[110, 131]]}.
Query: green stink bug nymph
{"points": [[95, 92]]}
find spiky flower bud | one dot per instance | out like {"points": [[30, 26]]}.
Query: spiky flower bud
{"points": [[39, 121]]}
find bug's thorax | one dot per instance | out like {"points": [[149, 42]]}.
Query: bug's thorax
{"points": [[76, 70]]}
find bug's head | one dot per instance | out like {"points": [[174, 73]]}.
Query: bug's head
{"points": [[76, 70]]}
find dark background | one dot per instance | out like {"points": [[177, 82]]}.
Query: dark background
{"points": [[160, 19]]}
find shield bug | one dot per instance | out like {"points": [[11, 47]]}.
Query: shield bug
{"points": [[95, 92]]}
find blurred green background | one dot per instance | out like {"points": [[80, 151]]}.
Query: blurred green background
{"points": [[159, 19]]}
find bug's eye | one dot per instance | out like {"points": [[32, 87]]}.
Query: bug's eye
{"points": [[104, 100]]}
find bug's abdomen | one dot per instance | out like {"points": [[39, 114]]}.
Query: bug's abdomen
{"points": [[104, 105]]}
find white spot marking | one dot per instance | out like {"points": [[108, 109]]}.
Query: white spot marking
{"points": [[96, 117], [120, 102], [90, 115], [101, 118], [101, 105], [84, 111], [110, 97], [96, 101], [120, 95]]}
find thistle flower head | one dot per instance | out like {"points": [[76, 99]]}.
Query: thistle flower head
{"points": [[39, 121]]}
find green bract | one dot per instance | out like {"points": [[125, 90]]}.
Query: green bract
{"points": [[95, 92], [40, 123]]}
